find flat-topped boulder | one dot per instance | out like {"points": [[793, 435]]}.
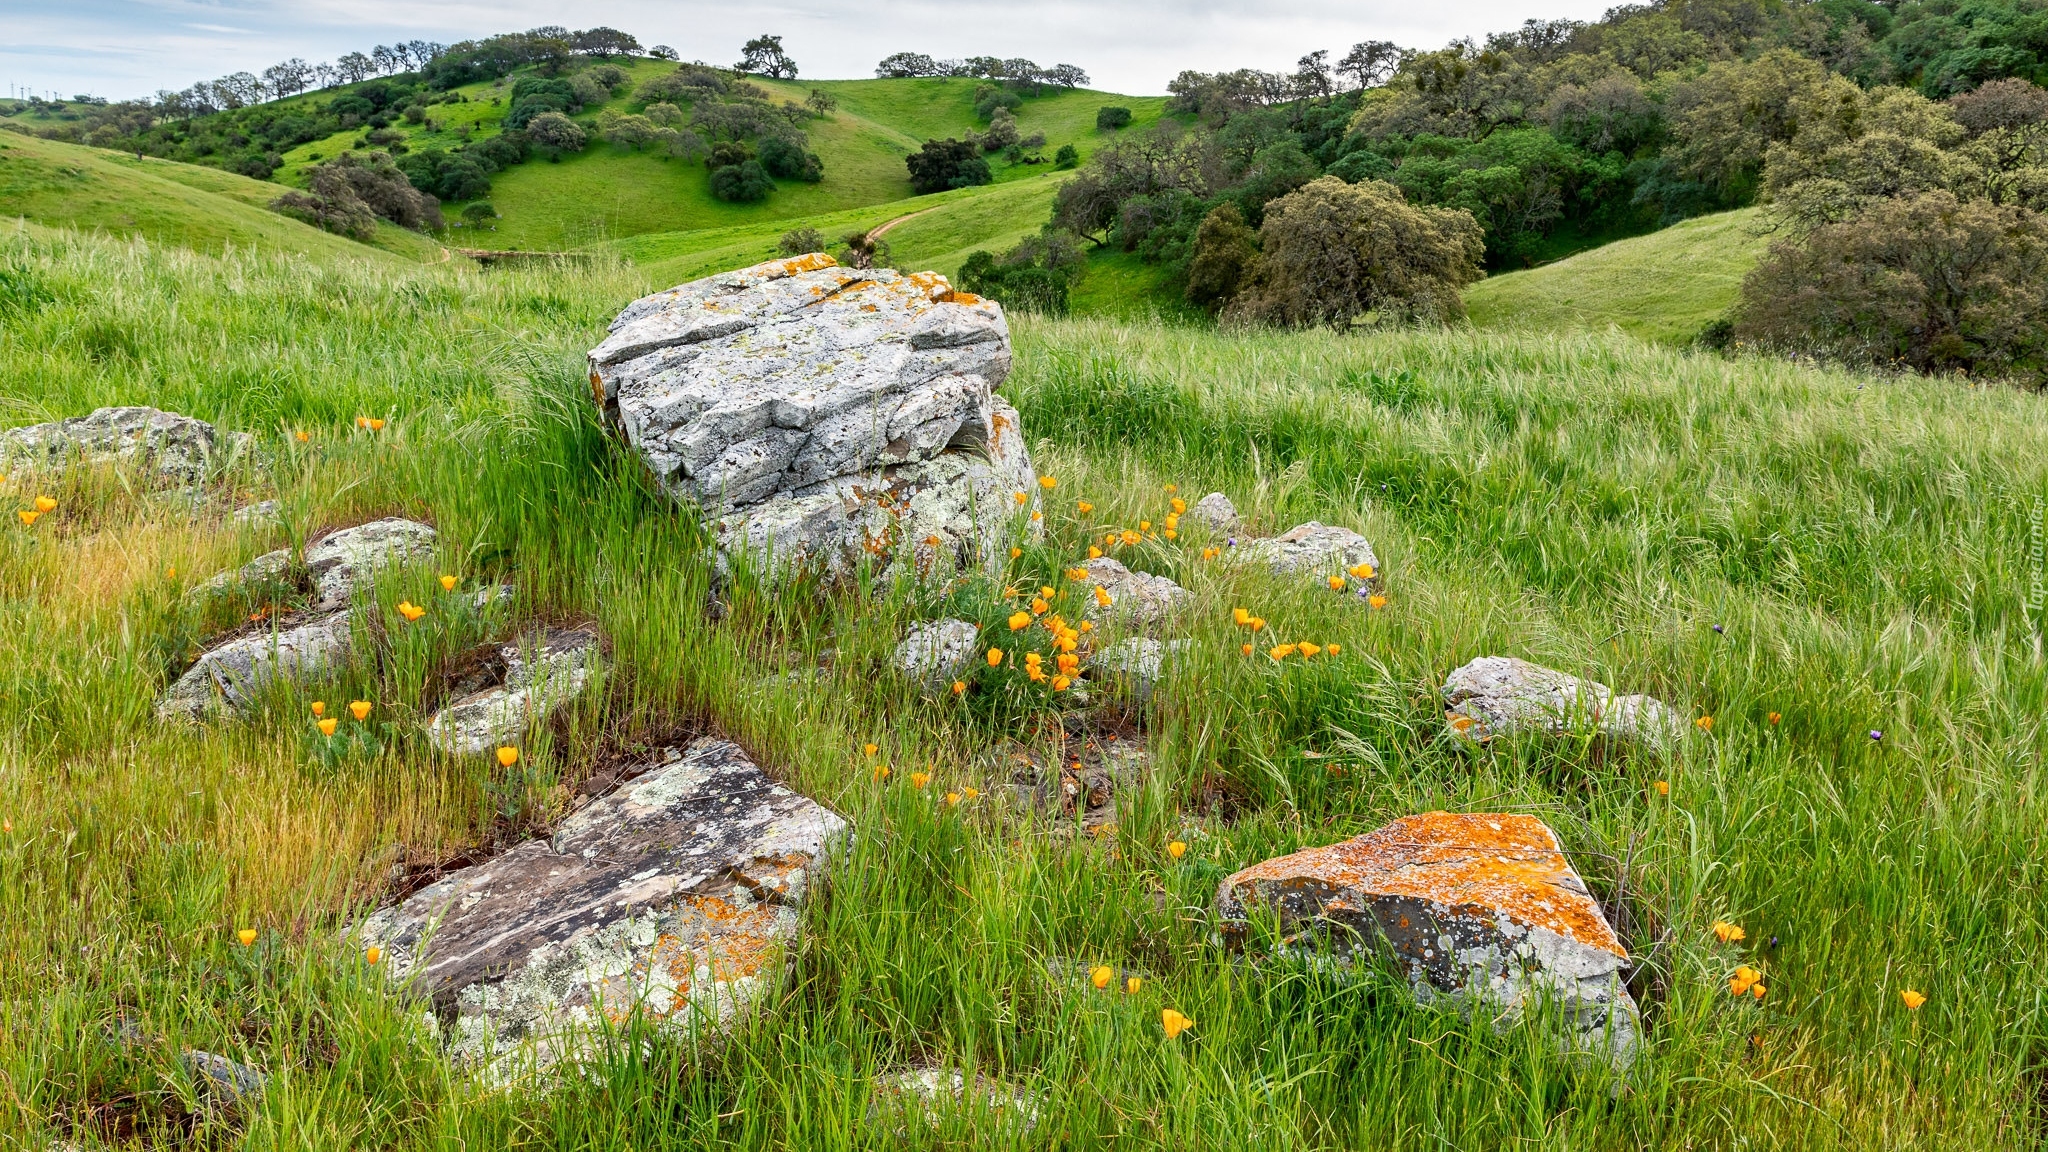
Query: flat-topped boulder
{"points": [[824, 413], [1483, 909], [1496, 696], [176, 447], [673, 895], [541, 671]]}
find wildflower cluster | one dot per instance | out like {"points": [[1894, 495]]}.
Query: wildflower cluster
{"points": [[1745, 981], [44, 505]]}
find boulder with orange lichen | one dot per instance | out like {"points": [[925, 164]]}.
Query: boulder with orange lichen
{"points": [[844, 397], [672, 897], [1481, 909]]}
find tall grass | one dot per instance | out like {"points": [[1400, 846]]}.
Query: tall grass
{"points": [[1590, 503]]}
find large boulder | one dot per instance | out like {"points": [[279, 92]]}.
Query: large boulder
{"points": [[177, 447], [1501, 695], [822, 413], [235, 674], [1320, 550], [1481, 909], [1139, 597], [343, 559], [542, 670], [672, 895]]}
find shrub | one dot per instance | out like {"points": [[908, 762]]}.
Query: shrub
{"points": [[476, 214], [786, 158], [741, 183], [348, 193], [1226, 250], [1110, 117], [555, 133], [684, 85], [800, 241], [945, 164], [446, 175], [1067, 157], [862, 250], [588, 90], [1002, 132], [990, 98], [1331, 252], [1035, 276], [1931, 282]]}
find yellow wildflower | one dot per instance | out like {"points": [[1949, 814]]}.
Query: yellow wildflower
{"points": [[959, 686], [1019, 620], [1084, 507], [1101, 975], [1180, 506], [447, 583], [1728, 933], [1048, 482], [1307, 649], [1023, 497], [995, 657], [508, 756], [372, 955], [1363, 571], [1102, 596], [1336, 583], [1177, 849], [1280, 651], [1174, 1022], [247, 936], [920, 779], [360, 709], [1704, 723], [328, 726], [1912, 999], [1377, 601]]}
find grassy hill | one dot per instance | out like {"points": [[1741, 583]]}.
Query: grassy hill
{"points": [[1803, 555], [609, 192], [67, 186], [1664, 287]]}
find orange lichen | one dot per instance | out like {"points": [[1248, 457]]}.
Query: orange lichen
{"points": [[1472, 864], [810, 262]]}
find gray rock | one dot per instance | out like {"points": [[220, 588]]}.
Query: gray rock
{"points": [[1314, 549], [269, 568], [923, 1089], [1139, 597], [341, 560], [1215, 512], [178, 448], [261, 513], [222, 1078], [1140, 661], [1500, 695], [950, 514], [812, 406], [235, 674], [1482, 910], [544, 670], [674, 894], [936, 652]]}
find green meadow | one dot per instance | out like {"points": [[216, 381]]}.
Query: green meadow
{"points": [[1802, 556]]}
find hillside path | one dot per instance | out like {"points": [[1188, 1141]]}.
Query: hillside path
{"points": [[882, 228]]}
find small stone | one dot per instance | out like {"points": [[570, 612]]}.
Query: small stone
{"points": [[1216, 512], [176, 447], [235, 674], [673, 894], [269, 568], [1140, 660], [263, 512], [340, 560], [1312, 549], [544, 669], [222, 1078], [937, 652], [1139, 597], [1500, 695], [1484, 910], [929, 1085]]}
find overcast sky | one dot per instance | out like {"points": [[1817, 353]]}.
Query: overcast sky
{"points": [[121, 48]]}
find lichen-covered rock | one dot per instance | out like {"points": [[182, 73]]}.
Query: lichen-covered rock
{"points": [[342, 559], [177, 447], [1215, 512], [544, 669], [222, 1079], [235, 674], [927, 1088], [956, 512], [1314, 549], [1139, 660], [1139, 597], [816, 409], [269, 568], [260, 514], [936, 652], [1483, 909], [672, 895], [1500, 695]]}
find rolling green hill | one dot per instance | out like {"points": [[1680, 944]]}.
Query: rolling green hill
{"points": [[68, 186], [609, 192], [1664, 287]]}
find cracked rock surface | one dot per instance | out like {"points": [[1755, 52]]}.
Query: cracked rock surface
{"points": [[1481, 908], [1312, 549], [544, 669], [1139, 597], [178, 448], [937, 652], [1140, 660], [1501, 695], [823, 413], [672, 895]]}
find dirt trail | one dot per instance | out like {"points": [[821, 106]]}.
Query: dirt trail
{"points": [[884, 227]]}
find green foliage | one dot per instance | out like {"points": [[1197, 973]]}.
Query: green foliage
{"points": [[992, 98], [1226, 252], [349, 193], [478, 214], [1927, 281], [1520, 184], [446, 175], [1111, 117], [788, 160], [1333, 252], [554, 134], [1067, 157], [741, 183], [799, 242], [1948, 46], [764, 55], [945, 164], [1035, 276]]}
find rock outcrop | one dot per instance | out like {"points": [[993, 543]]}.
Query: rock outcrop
{"points": [[1500, 695], [1140, 660], [1315, 549], [1484, 909], [1139, 597], [820, 414], [672, 895], [937, 652], [176, 447], [235, 673], [1216, 513], [542, 670]]}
